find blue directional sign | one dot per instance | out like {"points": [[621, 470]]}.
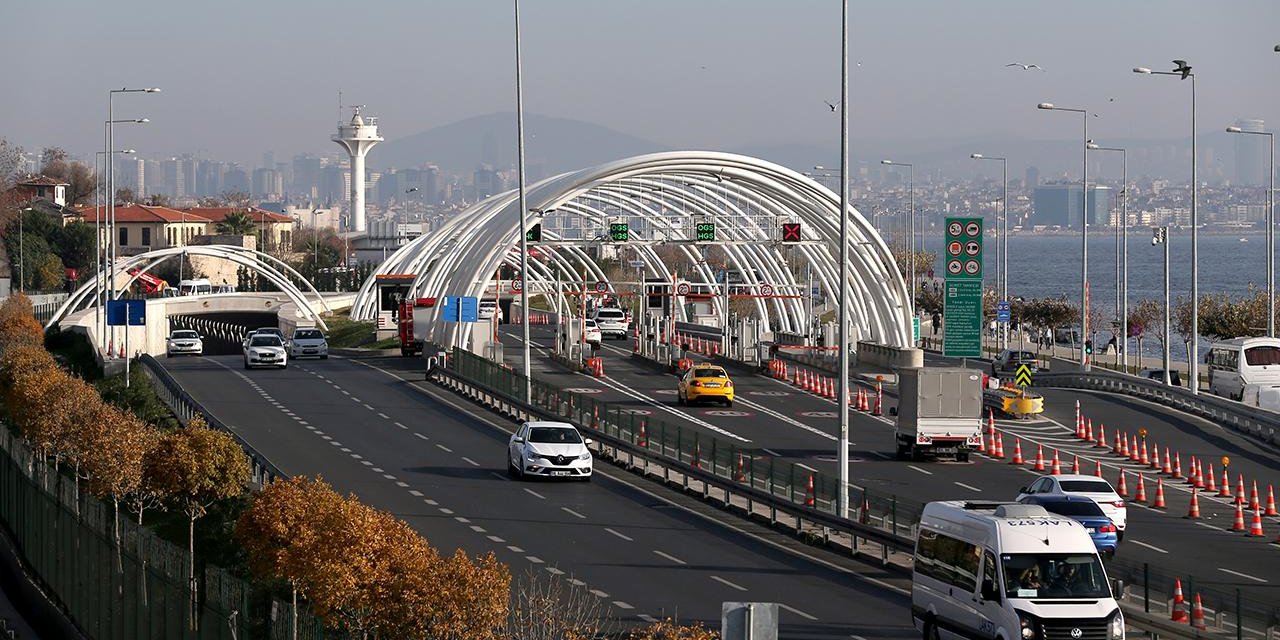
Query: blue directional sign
{"points": [[1003, 312], [460, 309], [130, 312]]}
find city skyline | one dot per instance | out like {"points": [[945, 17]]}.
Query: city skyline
{"points": [[709, 78]]}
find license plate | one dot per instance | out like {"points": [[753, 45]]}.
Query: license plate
{"points": [[559, 473], [308, 350], [945, 449], [1090, 530], [711, 385]]}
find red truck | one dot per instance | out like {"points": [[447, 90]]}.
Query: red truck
{"points": [[148, 283], [411, 332]]}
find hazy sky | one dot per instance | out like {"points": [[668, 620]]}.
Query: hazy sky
{"points": [[241, 77]]}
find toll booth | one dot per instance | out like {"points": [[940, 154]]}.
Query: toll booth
{"points": [[391, 289]]}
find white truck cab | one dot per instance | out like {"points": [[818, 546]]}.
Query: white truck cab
{"points": [[1009, 571]]}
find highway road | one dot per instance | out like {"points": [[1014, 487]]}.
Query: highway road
{"points": [[778, 419], [375, 428]]}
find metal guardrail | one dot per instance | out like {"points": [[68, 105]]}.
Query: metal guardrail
{"points": [[1257, 423]]}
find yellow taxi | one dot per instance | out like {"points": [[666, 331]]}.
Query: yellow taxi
{"points": [[705, 382]]}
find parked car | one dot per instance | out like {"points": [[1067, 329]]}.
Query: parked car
{"points": [[308, 343], [1085, 511], [1091, 487], [183, 342], [1158, 376], [549, 450], [265, 350], [1010, 359]]}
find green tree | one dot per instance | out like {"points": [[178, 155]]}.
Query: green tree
{"points": [[82, 181], [1146, 319], [159, 200], [125, 195], [237, 223], [75, 244]]}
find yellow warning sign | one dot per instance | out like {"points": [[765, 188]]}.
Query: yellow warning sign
{"points": [[1022, 376]]}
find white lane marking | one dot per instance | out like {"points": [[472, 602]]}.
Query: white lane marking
{"points": [[415, 493], [346, 450], [576, 582], [401, 426], [477, 528], [326, 436], [342, 390], [622, 605], [670, 557], [647, 618], [968, 486], [727, 583], [496, 539], [797, 612], [402, 484], [336, 443], [377, 469], [1242, 575], [535, 494], [420, 436], [1149, 546], [554, 571], [369, 407], [447, 512], [598, 593], [628, 539], [366, 463], [462, 520], [430, 501], [772, 453], [924, 471], [383, 416], [514, 549], [471, 462], [572, 512], [357, 456], [444, 448], [533, 559], [388, 476], [784, 418], [654, 403]]}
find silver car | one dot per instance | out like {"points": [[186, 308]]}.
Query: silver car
{"points": [[549, 450], [307, 343], [183, 342], [265, 350]]}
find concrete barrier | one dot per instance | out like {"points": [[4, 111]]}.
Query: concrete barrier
{"points": [[870, 353]]}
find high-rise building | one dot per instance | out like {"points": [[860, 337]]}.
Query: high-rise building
{"points": [[235, 180], [487, 181], [306, 176], [1031, 179], [268, 184], [1058, 205], [175, 177], [1251, 154]]}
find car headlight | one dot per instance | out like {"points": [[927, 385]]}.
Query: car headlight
{"points": [[585, 456], [1116, 627], [1028, 626]]}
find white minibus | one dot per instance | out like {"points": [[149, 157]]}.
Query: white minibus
{"points": [[1009, 571], [196, 287], [1235, 363]]}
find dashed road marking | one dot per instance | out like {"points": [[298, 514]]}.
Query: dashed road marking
{"points": [[533, 559], [462, 519], [388, 476], [535, 494], [798, 612], [447, 512], [431, 502], [598, 593], [1242, 575], [572, 512], [421, 436], [383, 416], [402, 484], [628, 539], [366, 463], [924, 471], [496, 539], [647, 618], [968, 486], [576, 582], [514, 549], [470, 461], [728, 584], [477, 528], [415, 493], [670, 557], [622, 605], [1149, 546], [377, 469], [444, 448], [401, 426], [554, 571]]}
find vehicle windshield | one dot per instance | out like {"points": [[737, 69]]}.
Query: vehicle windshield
{"points": [[1074, 508], [1054, 575], [271, 330], [708, 372], [185, 335], [265, 341], [558, 435], [308, 334], [591, 324], [610, 314], [1086, 486], [1258, 356]]}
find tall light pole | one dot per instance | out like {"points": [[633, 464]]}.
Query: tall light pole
{"points": [[1160, 236], [1002, 245], [1183, 71], [1122, 239], [98, 241], [520, 228], [1084, 230], [911, 227], [111, 174], [1271, 226], [842, 456]]}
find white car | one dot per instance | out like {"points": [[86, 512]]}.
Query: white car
{"points": [[549, 450], [307, 343], [265, 350], [612, 322], [591, 333], [183, 342], [1091, 487]]}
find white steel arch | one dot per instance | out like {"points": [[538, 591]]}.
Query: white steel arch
{"points": [[250, 258], [660, 194]]}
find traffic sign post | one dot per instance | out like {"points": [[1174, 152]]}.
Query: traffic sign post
{"points": [[1004, 312], [1022, 377], [766, 290], [962, 304]]}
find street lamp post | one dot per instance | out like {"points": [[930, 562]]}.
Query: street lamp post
{"points": [[1002, 245], [842, 455], [110, 251], [98, 241], [1160, 236], [1122, 239], [1084, 231], [1271, 226], [1183, 71], [911, 227], [524, 212]]}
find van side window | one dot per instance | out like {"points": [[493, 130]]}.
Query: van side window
{"points": [[990, 585], [947, 559]]}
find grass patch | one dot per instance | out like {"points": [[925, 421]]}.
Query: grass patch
{"points": [[389, 343], [346, 333]]}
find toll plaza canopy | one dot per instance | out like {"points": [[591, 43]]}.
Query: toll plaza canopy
{"points": [[664, 198]]}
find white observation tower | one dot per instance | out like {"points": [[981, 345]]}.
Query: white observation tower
{"points": [[357, 137]]}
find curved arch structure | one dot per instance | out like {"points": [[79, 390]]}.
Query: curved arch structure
{"points": [[661, 195], [258, 261]]}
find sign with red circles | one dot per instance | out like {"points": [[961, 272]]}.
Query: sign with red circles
{"points": [[972, 229], [516, 286], [955, 228], [953, 266], [954, 248], [972, 267], [972, 248], [682, 289], [766, 289]]}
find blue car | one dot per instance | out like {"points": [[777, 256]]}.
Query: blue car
{"points": [[1086, 512]]}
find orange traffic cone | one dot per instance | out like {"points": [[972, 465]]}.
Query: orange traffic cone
{"points": [[1194, 512], [642, 439], [1191, 476], [1097, 470], [740, 475], [1056, 469], [1199, 474], [1142, 489], [1197, 614], [1158, 503], [1167, 468], [1118, 447], [999, 446], [1225, 491], [1092, 436], [1102, 436], [1134, 455], [1238, 525], [1179, 614], [1017, 451], [1075, 464], [879, 408], [1177, 465], [1155, 458], [1240, 489], [1271, 503], [1122, 489], [982, 443], [808, 492], [1253, 497], [1039, 466], [1210, 486], [697, 456], [1143, 458]]}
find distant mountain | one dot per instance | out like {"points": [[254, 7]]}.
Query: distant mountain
{"points": [[552, 145]]}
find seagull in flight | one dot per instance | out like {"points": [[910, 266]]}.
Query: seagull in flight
{"points": [[1025, 67], [1181, 66], [832, 106]]}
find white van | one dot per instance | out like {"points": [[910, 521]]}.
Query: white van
{"points": [[1236, 364], [1010, 572], [197, 287]]}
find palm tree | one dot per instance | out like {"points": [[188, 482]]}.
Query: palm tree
{"points": [[237, 223]]}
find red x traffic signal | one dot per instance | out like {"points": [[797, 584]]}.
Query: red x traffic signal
{"points": [[791, 232]]}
